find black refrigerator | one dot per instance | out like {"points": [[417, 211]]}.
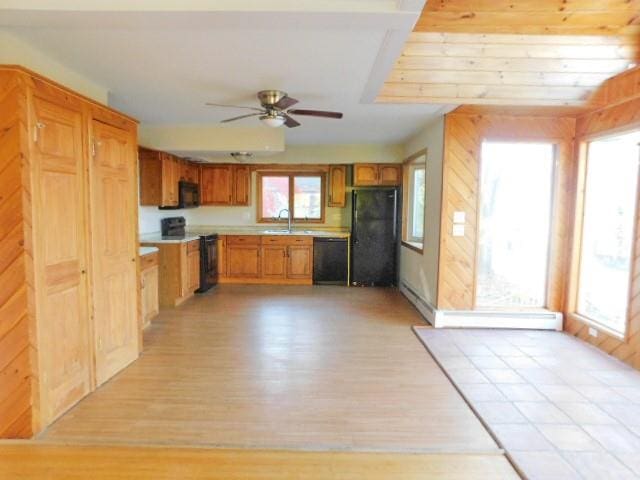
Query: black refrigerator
{"points": [[374, 236]]}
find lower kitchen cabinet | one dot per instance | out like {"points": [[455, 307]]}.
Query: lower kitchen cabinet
{"points": [[281, 259], [149, 279], [179, 267]]}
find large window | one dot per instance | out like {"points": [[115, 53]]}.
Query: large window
{"points": [[609, 207], [296, 194], [414, 200], [516, 184]]}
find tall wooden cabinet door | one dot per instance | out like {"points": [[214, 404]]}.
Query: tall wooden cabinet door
{"points": [[337, 186], [60, 259], [390, 174], [365, 174], [300, 261], [113, 230], [216, 185], [274, 262], [170, 178], [241, 185], [243, 261]]}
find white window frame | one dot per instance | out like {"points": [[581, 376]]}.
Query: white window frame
{"points": [[415, 162]]}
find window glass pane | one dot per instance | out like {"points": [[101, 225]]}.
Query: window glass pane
{"points": [[307, 200], [515, 215], [275, 196], [417, 208], [607, 231]]}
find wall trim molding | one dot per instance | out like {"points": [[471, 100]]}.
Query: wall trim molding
{"points": [[542, 320]]}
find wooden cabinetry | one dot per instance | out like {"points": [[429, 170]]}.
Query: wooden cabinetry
{"points": [[68, 212], [193, 266], [223, 184], [373, 174], [268, 259], [179, 271], [222, 256], [149, 287], [337, 186], [160, 173]]}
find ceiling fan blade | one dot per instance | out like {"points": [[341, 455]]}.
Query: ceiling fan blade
{"points": [[316, 113], [233, 106], [233, 119], [290, 122], [285, 102]]}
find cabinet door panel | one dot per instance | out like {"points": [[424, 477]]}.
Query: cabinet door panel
{"points": [[299, 263], [150, 300], [243, 261], [337, 186], [222, 256], [170, 177], [113, 222], [274, 262], [241, 185], [365, 174], [390, 175], [216, 185], [194, 270], [64, 346]]}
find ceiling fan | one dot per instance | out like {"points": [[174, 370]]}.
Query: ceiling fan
{"points": [[275, 110]]}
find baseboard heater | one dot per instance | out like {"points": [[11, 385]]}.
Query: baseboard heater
{"points": [[545, 320]]}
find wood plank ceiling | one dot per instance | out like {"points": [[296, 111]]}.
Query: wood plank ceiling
{"points": [[515, 52]]}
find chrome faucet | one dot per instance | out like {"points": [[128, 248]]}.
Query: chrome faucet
{"points": [[288, 216]]}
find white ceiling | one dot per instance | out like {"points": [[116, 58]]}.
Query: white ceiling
{"points": [[162, 66]]}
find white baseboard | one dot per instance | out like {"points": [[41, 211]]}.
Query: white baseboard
{"points": [[480, 319]]}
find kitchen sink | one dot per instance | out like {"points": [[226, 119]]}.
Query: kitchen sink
{"points": [[287, 232], [280, 232]]}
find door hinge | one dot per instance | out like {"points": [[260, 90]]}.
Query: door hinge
{"points": [[39, 125]]}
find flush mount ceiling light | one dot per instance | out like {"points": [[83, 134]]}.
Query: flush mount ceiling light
{"points": [[241, 156], [273, 120]]}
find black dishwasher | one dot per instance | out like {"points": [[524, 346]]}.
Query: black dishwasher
{"points": [[330, 261]]}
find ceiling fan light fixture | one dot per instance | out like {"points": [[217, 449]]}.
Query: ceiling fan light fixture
{"points": [[273, 120]]}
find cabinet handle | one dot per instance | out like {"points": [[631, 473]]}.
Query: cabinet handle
{"points": [[39, 125]]}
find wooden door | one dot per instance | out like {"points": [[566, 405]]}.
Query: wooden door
{"points": [[299, 261], [193, 266], [365, 174], [274, 261], [222, 255], [170, 177], [241, 185], [337, 186], [189, 171], [60, 258], [149, 293], [216, 185], [115, 249], [390, 175], [243, 261]]}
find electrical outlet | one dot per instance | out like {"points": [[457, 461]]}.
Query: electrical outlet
{"points": [[458, 230], [593, 332], [459, 217]]}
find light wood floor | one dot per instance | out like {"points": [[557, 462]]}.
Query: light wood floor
{"points": [[37, 462], [311, 368]]}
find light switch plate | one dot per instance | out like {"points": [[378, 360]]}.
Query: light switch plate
{"points": [[459, 217], [593, 332], [458, 230]]}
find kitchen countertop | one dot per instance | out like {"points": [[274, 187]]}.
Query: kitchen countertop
{"points": [[147, 250], [266, 230], [158, 238]]}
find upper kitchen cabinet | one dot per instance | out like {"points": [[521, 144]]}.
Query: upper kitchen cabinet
{"points": [[159, 176], [222, 184], [374, 174], [69, 315], [337, 186]]}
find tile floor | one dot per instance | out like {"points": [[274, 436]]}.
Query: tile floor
{"points": [[561, 408]]}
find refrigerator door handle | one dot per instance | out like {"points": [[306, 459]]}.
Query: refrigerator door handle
{"points": [[395, 215]]}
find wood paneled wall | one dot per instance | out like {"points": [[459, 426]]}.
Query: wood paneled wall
{"points": [[15, 259], [623, 114], [464, 134]]}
